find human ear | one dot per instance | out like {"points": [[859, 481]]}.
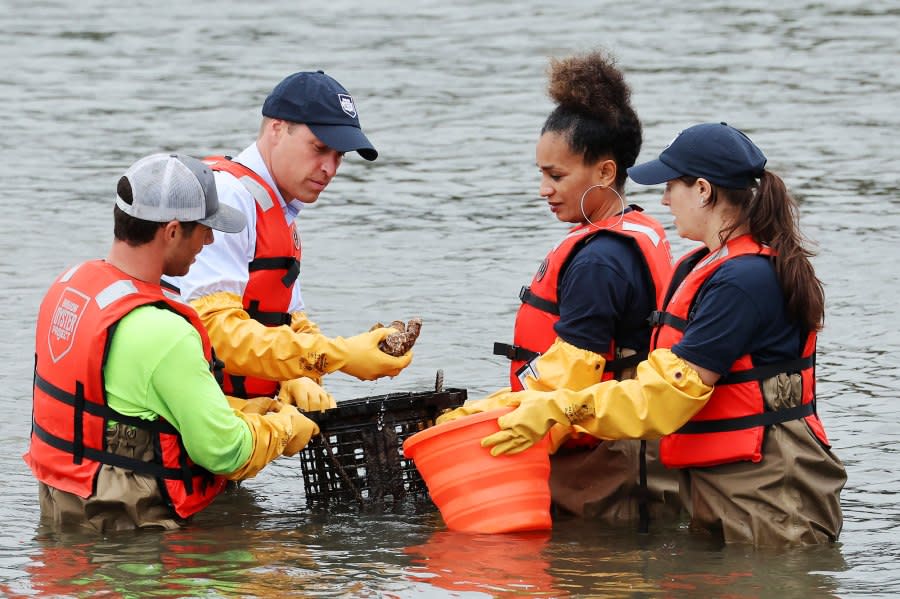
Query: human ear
{"points": [[705, 189], [607, 171], [171, 229]]}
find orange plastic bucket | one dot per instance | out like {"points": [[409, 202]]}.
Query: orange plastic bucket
{"points": [[475, 491]]}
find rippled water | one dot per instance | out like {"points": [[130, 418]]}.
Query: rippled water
{"points": [[447, 225]]}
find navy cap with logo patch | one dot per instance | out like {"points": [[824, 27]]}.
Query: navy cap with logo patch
{"points": [[716, 152], [325, 106]]}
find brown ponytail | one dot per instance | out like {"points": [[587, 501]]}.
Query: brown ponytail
{"points": [[772, 217]]}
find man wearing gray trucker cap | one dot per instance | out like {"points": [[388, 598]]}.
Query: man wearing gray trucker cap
{"points": [[130, 428], [246, 286]]}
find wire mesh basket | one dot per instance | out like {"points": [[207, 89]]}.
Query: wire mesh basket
{"points": [[358, 457]]}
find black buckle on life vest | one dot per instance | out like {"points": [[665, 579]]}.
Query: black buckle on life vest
{"points": [[289, 264], [514, 352], [292, 273], [538, 302], [658, 318]]}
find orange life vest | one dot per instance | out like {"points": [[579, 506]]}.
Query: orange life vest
{"points": [[539, 311], [731, 426], [273, 270], [70, 411]]}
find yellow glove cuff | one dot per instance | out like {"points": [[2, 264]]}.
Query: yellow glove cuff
{"points": [[564, 366], [666, 393], [300, 323], [498, 399]]}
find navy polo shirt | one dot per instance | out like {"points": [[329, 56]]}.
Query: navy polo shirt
{"points": [[740, 310], [605, 294]]}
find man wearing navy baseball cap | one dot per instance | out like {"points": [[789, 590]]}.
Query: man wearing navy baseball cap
{"points": [[245, 286], [323, 105]]}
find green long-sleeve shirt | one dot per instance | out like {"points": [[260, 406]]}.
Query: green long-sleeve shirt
{"points": [[156, 369]]}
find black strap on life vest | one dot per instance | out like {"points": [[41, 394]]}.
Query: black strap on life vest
{"points": [[517, 352], [167, 285], [768, 418], [99, 410], [79, 450], [288, 263], [535, 301], [514, 352], [238, 388], [216, 367], [760, 373], [658, 318], [744, 422], [111, 459], [270, 319], [620, 364], [682, 271]]}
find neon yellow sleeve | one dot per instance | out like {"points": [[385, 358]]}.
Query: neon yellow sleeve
{"points": [[156, 368]]}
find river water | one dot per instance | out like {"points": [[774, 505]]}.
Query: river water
{"points": [[447, 224]]}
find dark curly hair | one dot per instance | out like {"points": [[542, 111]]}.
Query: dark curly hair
{"points": [[594, 110]]}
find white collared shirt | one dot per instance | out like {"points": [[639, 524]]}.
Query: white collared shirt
{"points": [[223, 265]]}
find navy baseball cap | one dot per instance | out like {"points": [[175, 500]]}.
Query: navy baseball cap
{"points": [[716, 152], [322, 104]]}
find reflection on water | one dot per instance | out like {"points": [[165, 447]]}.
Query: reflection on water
{"points": [[498, 565], [447, 224]]}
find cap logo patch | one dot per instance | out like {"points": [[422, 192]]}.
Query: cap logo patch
{"points": [[347, 105]]}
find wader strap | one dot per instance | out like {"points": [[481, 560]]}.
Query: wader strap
{"points": [[538, 302], [288, 263], [745, 422], [643, 493], [760, 373], [514, 352]]}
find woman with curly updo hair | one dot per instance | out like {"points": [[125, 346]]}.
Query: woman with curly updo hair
{"points": [[583, 318], [730, 383]]}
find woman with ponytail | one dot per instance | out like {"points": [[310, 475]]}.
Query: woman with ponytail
{"points": [[583, 318], [729, 385]]}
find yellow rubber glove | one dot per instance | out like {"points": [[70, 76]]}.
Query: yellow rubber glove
{"points": [[666, 393], [361, 357], [254, 405], [564, 366], [301, 324], [284, 431], [306, 395], [250, 348], [498, 399]]}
